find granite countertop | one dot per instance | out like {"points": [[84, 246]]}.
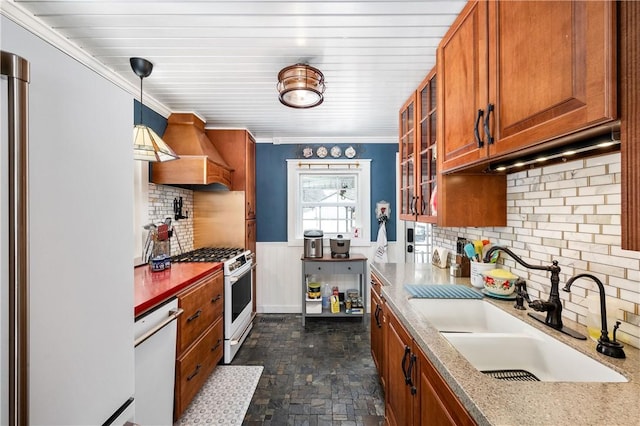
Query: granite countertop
{"points": [[153, 288], [496, 402]]}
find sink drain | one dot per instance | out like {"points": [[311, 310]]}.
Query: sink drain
{"points": [[512, 375]]}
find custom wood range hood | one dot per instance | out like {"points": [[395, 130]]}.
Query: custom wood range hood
{"points": [[200, 163]]}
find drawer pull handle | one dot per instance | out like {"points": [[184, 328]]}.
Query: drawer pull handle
{"points": [[217, 345], [487, 130], [195, 373], [407, 352], [215, 299], [476, 130], [194, 316]]}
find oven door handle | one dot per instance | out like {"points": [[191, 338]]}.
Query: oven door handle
{"points": [[240, 273]]}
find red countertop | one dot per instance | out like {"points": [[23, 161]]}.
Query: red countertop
{"points": [[153, 288]]}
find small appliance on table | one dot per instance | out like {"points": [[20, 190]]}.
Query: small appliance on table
{"points": [[313, 243], [340, 247]]}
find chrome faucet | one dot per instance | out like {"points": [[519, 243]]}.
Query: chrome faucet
{"points": [[553, 306], [605, 346]]}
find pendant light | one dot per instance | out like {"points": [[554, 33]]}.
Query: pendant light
{"points": [[300, 86], [147, 145]]}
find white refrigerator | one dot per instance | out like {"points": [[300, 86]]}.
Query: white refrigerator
{"points": [[75, 351]]}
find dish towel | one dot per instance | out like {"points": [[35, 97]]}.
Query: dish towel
{"points": [[381, 242]]}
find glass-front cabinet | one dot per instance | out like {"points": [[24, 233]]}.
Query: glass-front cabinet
{"points": [[407, 138], [418, 153], [426, 150]]}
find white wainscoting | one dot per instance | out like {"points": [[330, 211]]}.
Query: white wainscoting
{"points": [[278, 282]]}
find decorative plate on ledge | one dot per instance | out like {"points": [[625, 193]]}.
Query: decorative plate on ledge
{"points": [[321, 152], [336, 151], [350, 152]]}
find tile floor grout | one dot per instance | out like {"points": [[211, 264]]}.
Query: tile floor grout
{"points": [[321, 374]]}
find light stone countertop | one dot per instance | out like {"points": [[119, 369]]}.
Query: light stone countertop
{"points": [[496, 402]]}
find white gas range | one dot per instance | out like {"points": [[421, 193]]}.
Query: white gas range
{"points": [[238, 291]]}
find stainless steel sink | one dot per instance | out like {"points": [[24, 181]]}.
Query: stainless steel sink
{"points": [[494, 341]]}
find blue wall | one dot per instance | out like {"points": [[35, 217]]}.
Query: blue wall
{"points": [[271, 179], [151, 118], [271, 186]]}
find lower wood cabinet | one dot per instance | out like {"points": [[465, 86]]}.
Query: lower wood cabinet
{"points": [[200, 340], [195, 365], [438, 405], [377, 334], [401, 381], [415, 393]]}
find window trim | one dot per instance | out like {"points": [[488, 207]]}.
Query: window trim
{"points": [[360, 167]]}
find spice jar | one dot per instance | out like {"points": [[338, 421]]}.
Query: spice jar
{"points": [[455, 270]]}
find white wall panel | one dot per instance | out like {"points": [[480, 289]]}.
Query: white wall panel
{"points": [[279, 268]]}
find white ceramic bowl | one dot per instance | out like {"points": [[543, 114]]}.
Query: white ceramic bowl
{"points": [[499, 282]]}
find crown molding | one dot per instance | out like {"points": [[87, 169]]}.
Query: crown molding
{"points": [[328, 140], [33, 24]]}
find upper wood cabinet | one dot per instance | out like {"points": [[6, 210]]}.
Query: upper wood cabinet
{"points": [[238, 148], [429, 196], [418, 152], [514, 75], [407, 148], [426, 170]]}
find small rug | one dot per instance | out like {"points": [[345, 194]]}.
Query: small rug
{"points": [[225, 396]]}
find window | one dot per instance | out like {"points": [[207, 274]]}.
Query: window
{"points": [[329, 195]]}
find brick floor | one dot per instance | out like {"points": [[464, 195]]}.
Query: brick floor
{"points": [[320, 374]]}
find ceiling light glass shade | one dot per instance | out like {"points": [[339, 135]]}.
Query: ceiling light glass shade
{"points": [[301, 86], [148, 146]]}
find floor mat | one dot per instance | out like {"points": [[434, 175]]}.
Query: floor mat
{"points": [[225, 397]]}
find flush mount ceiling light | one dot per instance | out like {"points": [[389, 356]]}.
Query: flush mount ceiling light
{"points": [[300, 86], [147, 145]]}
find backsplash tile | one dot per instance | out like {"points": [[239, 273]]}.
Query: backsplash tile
{"points": [[161, 206], [568, 212]]}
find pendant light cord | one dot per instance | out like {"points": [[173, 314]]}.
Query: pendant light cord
{"points": [[141, 108]]}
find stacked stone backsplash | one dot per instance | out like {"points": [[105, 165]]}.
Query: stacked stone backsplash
{"points": [[161, 206], [568, 212]]}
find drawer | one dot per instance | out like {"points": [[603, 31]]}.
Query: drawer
{"points": [[318, 267], [194, 366], [200, 310], [348, 268]]}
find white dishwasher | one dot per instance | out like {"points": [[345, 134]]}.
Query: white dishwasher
{"points": [[155, 361]]}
